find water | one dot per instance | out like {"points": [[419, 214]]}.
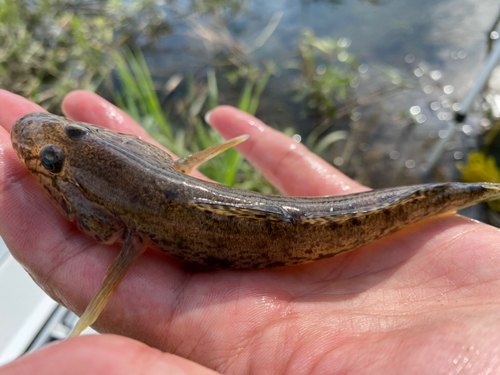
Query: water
{"points": [[437, 46]]}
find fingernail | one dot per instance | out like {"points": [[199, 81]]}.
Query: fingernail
{"points": [[207, 117]]}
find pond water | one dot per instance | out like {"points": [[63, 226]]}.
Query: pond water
{"points": [[437, 47]]}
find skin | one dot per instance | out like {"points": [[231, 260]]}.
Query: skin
{"points": [[153, 199], [424, 300]]}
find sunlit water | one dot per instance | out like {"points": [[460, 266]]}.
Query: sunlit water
{"points": [[438, 46]]}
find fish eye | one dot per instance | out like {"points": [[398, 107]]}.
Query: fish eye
{"points": [[52, 158], [75, 131]]}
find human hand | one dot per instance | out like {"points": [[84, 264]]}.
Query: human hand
{"points": [[101, 355], [425, 298]]}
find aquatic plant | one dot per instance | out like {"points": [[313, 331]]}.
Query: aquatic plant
{"points": [[137, 96], [50, 47], [481, 168], [328, 73]]}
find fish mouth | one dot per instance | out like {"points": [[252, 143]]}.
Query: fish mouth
{"points": [[17, 137], [24, 131], [14, 137]]}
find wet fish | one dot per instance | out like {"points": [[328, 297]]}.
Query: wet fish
{"points": [[118, 188]]}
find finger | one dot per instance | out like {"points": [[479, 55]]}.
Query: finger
{"points": [[289, 165], [30, 224], [63, 261], [88, 107], [21, 199], [67, 264], [102, 355], [12, 107]]}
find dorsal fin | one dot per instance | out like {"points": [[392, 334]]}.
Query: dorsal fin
{"points": [[190, 163]]}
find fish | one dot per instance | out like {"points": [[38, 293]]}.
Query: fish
{"points": [[118, 188]]}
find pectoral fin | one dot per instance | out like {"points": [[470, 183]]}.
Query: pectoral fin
{"points": [[133, 247], [190, 163]]}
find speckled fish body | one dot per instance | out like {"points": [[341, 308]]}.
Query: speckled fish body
{"points": [[112, 184]]}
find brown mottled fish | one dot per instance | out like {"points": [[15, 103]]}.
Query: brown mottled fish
{"points": [[118, 188]]}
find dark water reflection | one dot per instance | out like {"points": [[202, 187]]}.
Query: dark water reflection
{"points": [[446, 39]]}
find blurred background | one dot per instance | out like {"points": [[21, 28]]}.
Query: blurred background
{"points": [[373, 86], [370, 85]]}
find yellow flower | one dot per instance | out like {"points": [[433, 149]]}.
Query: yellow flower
{"points": [[481, 168]]}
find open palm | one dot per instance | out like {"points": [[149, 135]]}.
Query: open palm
{"points": [[424, 300]]}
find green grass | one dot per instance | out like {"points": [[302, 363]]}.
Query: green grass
{"points": [[87, 50], [137, 96], [51, 47]]}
